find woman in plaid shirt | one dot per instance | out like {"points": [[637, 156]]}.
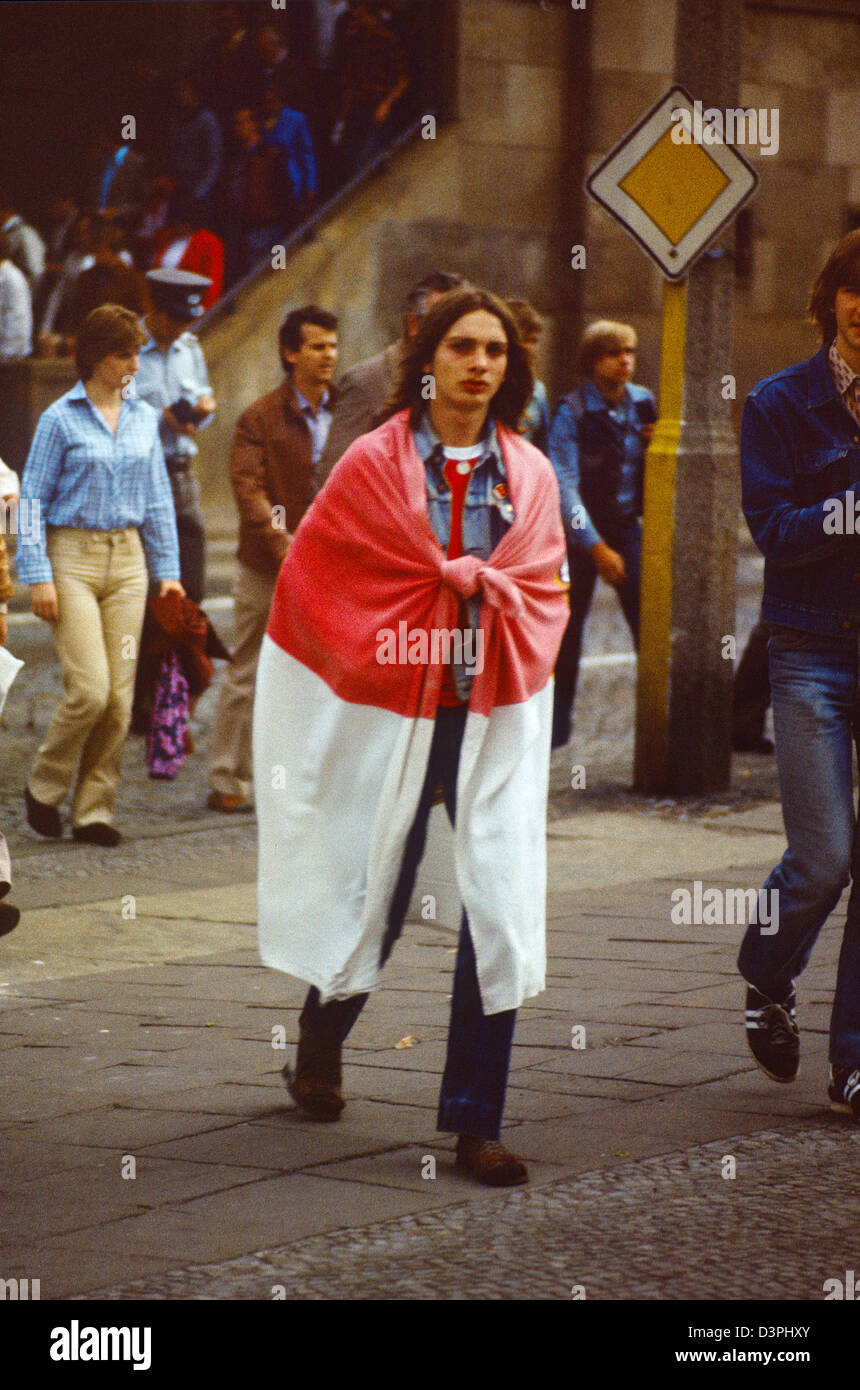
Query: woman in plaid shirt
{"points": [[101, 515]]}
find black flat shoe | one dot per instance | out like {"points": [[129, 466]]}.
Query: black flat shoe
{"points": [[9, 918], [45, 820], [97, 832]]}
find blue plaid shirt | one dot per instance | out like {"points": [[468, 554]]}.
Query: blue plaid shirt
{"points": [[82, 475]]}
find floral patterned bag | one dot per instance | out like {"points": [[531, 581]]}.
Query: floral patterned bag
{"points": [[166, 746]]}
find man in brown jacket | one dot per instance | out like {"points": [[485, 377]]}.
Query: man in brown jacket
{"points": [[278, 441], [364, 389]]}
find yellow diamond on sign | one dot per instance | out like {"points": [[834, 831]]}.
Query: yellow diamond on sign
{"points": [[670, 187], [675, 185]]}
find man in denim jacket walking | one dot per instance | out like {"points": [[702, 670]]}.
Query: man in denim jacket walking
{"points": [[800, 454]]}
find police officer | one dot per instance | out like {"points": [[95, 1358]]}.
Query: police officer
{"points": [[173, 379]]}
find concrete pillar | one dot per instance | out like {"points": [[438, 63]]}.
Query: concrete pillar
{"points": [[683, 720]]}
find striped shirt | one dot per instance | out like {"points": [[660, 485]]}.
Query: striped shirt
{"points": [[79, 474]]}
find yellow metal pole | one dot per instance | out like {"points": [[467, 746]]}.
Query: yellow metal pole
{"points": [[658, 534]]}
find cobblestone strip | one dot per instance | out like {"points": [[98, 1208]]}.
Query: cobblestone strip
{"points": [[670, 1227]]}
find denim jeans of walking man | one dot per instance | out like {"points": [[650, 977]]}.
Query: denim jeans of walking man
{"points": [[472, 1095], [800, 453]]}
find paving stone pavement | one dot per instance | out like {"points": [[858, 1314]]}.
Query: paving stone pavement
{"points": [[152, 1041], [666, 1228]]}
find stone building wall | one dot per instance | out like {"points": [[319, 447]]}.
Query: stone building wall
{"points": [[807, 66], [804, 64], [632, 58]]}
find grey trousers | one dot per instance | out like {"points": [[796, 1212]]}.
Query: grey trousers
{"points": [[230, 760]]}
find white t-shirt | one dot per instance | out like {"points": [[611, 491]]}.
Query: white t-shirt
{"points": [[464, 458]]}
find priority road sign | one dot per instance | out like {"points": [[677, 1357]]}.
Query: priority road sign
{"points": [[672, 195]]}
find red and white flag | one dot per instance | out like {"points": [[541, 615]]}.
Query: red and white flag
{"points": [[347, 692]]}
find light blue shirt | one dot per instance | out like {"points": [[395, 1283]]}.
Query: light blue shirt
{"points": [[82, 475], [165, 376], [319, 423]]}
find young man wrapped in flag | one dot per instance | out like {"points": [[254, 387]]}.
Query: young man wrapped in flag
{"points": [[443, 519]]}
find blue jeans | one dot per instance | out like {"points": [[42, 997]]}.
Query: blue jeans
{"points": [[815, 682], [472, 1096], [626, 538]]}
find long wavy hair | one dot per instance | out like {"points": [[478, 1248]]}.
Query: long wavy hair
{"points": [[512, 396]]}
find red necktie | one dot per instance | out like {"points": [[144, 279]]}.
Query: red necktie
{"points": [[459, 484]]}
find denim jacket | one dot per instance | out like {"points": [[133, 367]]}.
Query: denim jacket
{"points": [[487, 514], [598, 453], [800, 448]]}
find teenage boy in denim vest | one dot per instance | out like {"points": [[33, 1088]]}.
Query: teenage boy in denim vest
{"points": [[597, 447]]}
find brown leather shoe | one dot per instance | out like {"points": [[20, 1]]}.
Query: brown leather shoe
{"points": [[489, 1162], [220, 801], [44, 819], [9, 918], [318, 1099], [97, 832], [316, 1084]]}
